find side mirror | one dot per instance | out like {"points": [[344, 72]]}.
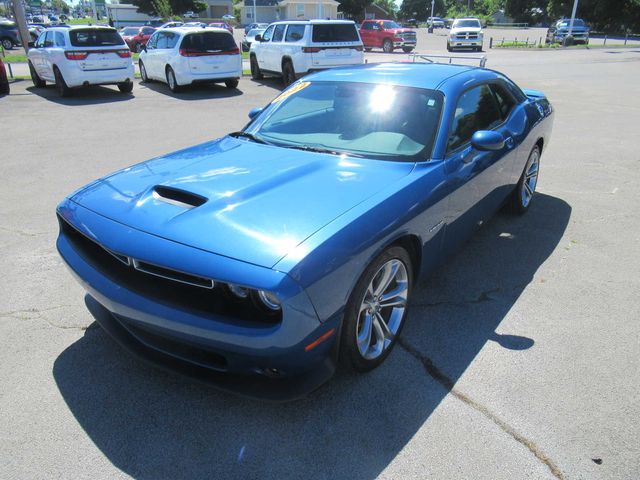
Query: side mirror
{"points": [[487, 140], [255, 111], [258, 38]]}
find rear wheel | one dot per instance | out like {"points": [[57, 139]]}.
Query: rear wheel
{"points": [[125, 87], [35, 78], [143, 73], [376, 311], [171, 80], [407, 49], [231, 83], [387, 46], [256, 74], [7, 43], [61, 85], [288, 73], [523, 194]]}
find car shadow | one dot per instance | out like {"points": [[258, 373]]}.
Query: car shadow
{"points": [[92, 95], [152, 424], [270, 82], [200, 91]]}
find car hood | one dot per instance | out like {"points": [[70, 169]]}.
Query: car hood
{"points": [[237, 198], [466, 29], [400, 30]]}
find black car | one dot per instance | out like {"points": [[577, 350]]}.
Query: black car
{"points": [[9, 35]]}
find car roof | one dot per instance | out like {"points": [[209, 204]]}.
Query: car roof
{"points": [[419, 75], [314, 22], [186, 30]]}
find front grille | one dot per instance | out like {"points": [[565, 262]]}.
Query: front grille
{"points": [[166, 286], [467, 36], [408, 36]]}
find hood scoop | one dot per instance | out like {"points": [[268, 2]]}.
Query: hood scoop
{"points": [[177, 197]]}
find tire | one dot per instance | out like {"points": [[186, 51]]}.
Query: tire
{"points": [[407, 49], [387, 46], [523, 194], [143, 73], [7, 43], [256, 74], [171, 80], [364, 344], [61, 85], [35, 78], [288, 73], [125, 87], [231, 83], [5, 88], [449, 49]]}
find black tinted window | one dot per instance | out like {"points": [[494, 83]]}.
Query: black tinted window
{"points": [[294, 33], [278, 33], [476, 110], [506, 102], [95, 38], [338, 32], [209, 41]]}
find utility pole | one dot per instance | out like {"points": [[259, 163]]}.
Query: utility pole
{"points": [[95, 10], [573, 16], [255, 12], [21, 21]]}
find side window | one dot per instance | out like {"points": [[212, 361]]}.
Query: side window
{"points": [[278, 33], [163, 41], [266, 36], [506, 102], [299, 10], [476, 110], [60, 39], [40, 41], [153, 41], [48, 41], [294, 33], [367, 26], [172, 39]]}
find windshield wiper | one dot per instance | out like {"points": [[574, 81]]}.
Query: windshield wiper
{"points": [[248, 136], [310, 148]]}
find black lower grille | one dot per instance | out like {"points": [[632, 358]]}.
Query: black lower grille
{"points": [[174, 293]]}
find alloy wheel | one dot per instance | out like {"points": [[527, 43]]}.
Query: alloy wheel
{"points": [[382, 309], [530, 178]]}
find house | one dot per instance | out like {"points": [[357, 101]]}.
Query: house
{"points": [[371, 12], [267, 11], [217, 8]]}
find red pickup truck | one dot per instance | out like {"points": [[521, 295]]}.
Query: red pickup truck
{"points": [[388, 35]]}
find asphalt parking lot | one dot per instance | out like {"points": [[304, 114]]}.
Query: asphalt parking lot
{"points": [[520, 358]]}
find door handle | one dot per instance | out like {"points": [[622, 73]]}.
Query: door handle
{"points": [[509, 142]]}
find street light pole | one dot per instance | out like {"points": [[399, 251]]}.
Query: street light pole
{"points": [[573, 16]]}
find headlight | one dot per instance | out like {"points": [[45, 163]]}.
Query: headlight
{"points": [[269, 300]]}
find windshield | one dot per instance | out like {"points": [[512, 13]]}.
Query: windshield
{"points": [[576, 23], [466, 24], [95, 38], [360, 119], [129, 32], [389, 25]]}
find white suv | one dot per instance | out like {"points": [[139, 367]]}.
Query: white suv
{"points": [[465, 33], [80, 56], [186, 55], [293, 48]]}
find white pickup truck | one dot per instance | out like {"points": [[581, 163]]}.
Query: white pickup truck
{"points": [[465, 33]]}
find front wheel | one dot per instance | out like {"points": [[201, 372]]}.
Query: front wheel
{"points": [[449, 49], [288, 74], [376, 311], [523, 194], [35, 78], [407, 49], [256, 74], [143, 73], [387, 46], [231, 83], [7, 44]]}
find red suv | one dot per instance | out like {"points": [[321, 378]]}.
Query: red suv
{"points": [[388, 35], [136, 37]]}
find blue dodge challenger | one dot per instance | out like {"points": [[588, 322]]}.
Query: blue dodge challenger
{"points": [[263, 260]]}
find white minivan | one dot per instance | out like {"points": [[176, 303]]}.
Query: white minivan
{"points": [[186, 55], [81, 55], [291, 49]]}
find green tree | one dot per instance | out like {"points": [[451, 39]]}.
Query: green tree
{"points": [[388, 5], [353, 7], [421, 9], [176, 6], [611, 16]]}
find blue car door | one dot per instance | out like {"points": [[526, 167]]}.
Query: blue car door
{"points": [[478, 180]]}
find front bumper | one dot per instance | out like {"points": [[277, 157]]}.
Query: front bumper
{"points": [[76, 77], [263, 361], [404, 43], [459, 42]]}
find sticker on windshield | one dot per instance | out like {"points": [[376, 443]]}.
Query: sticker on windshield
{"points": [[291, 91]]}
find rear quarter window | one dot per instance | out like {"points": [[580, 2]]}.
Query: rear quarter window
{"points": [[294, 33], [340, 32], [95, 38]]}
